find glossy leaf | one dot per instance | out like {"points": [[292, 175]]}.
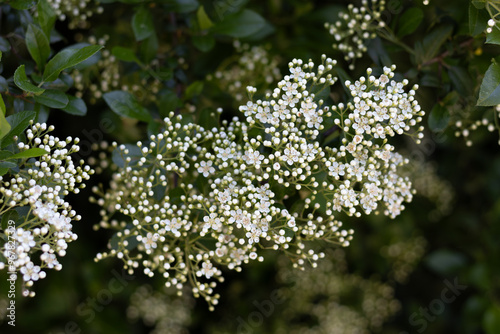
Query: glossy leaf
{"points": [[125, 104], [438, 118], [46, 16], [478, 20], [22, 4], [22, 81], [53, 98], [142, 24]]}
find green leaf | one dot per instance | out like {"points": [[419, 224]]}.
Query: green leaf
{"points": [[29, 153], [53, 98], [125, 104], [3, 110], [494, 36], [18, 122], [149, 48], [124, 54], [432, 42], [241, 24], [478, 20], [22, 81], [491, 320], [461, 80], [193, 89], [489, 93], [181, 6], [445, 262], [142, 24], [76, 106], [22, 4], [4, 125], [46, 16], [38, 45], [66, 59], [4, 44], [204, 43], [409, 21], [438, 118], [7, 164], [203, 19], [169, 102]]}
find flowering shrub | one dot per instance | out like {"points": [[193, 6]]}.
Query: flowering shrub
{"points": [[219, 164]]}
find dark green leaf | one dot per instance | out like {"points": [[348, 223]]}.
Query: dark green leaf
{"points": [[124, 54], [38, 45], [46, 16], [4, 125], [445, 262], [438, 118], [169, 102], [149, 48], [461, 80], [18, 122], [208, 118], [22, 4], [241, 24], [478, 20], [489, 93], [203, 19], [142, 24], [125, 104], [7, 164], [4, 45], [409, 21], [491, 320], [29, 153], [204, 43], [53, 98], [76, 106], [66, 59], [431, 44], [22, 81], [181, 6]]}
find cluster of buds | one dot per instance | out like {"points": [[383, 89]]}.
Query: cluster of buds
{"points": [[76, 12], [191, 200]]}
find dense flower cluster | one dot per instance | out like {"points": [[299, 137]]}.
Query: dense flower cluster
{"points": [[355, 28], [328, 299], [77, 12], [34, 199], [234, 72], [167, 314], [191, 200]]}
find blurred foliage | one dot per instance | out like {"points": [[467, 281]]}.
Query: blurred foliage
{"points": [[111, 70]]}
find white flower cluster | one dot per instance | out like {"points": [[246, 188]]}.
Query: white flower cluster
{"points": [[465, 127], [164, 311], [76, 11], [36, 195], [356, 28], [191, 200], [249, 61]]}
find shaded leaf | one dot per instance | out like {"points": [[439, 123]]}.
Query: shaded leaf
{"points": [[204, 43], [18, 122], [181, 6], [46, 16], [494, 36], [76, 106], [203, 19], [439, 118], [478, 20], [38, 45], [22, 4], [142, 24], [241, 24], [53, 98], [409, 21], [461, 80], [124, 54], [66, 59]]}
